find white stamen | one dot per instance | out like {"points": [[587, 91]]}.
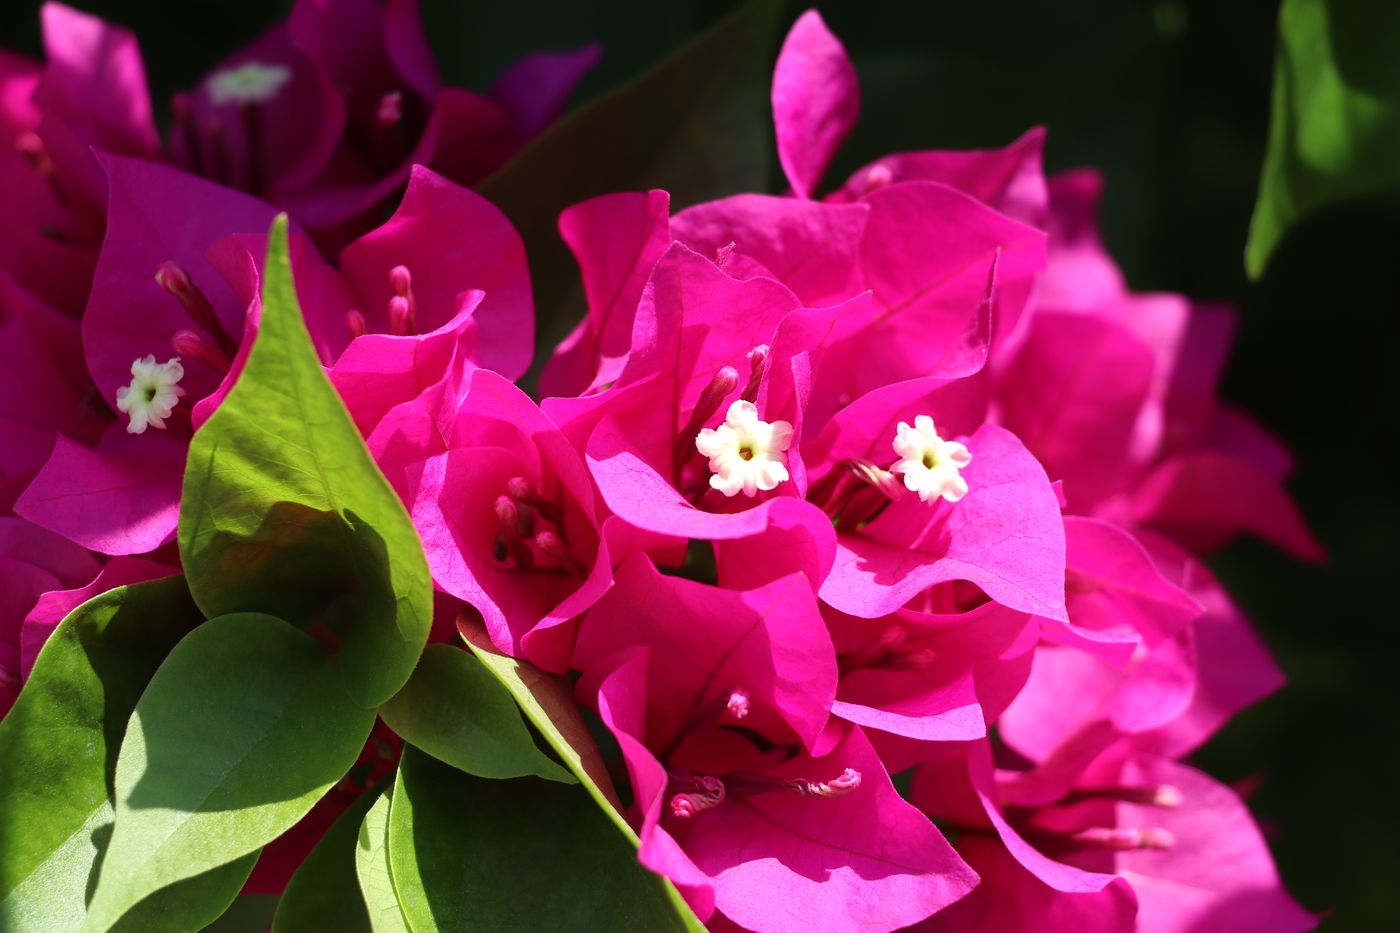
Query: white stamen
{"points": [[252, 82], [745, 452], [153, 394], [929, 463]]}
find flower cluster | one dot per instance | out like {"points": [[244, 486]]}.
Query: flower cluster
{"points": [[868, 525]]}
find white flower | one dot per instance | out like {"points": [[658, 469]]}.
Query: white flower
{"points": [[745, 452], [153, 394], [929, 463], [250, 83]]}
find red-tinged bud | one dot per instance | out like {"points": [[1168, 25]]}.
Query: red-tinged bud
{"points": [[355, 323], [507, 517], [174, 279], [878, 177], [757, 357], [390, 109], [403, 309], [713, 396], [401, 322], [553, 545], [187, 343]]}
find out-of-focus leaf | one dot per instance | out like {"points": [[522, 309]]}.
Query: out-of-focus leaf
{"points": [[372, 868], [455, 710], [696, 125], [242, 729], [58, 749], [464, 858], [284, 511], [1334, 132]]}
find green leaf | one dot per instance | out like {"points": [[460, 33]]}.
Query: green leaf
{"points": [[372, 867], [242, 729], [455, 710], [58, 751], [322, 893], [1334, 132], [249, 913], [549, 704], [697, 125], [284, 511], [474, 854]]}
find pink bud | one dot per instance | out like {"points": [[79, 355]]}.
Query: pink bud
{"points": [[187, 343]]}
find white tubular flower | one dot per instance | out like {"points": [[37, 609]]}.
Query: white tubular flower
{"points": [[250, 83], [929, 463], [153, 394], [746, 454]]}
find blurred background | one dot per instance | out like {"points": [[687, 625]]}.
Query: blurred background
{"points": [[1170, 99]]}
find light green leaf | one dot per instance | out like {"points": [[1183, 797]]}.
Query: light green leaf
{"points": [[1334, 132], [697, 125], [284, 511], [473, 854], [322, 895], [242, 729], [372, 867], [58, 749], [455, 710]]}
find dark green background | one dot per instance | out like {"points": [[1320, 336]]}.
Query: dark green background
{"points": [[1171, 100]]}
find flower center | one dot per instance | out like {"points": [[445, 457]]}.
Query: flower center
{"points": [[152, 395], [930, 465], [746, 453], [253, 82]]}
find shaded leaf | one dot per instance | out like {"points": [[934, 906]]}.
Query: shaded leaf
{"points": [[58, 751], [455, 710], [1334, 132], [241, 730], [549, 705], [321, 895], [285, 512], [463, 858]]}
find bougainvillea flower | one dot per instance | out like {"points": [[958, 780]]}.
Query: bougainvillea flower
{"points": [[1233, 667], [40, 348], [397, 113], [1134, 828], [1081, 698], [33, 562], [1005, 535], [1135, 430], [1025, 887], [177, 284], [923, 246], [324, 115], [504, 506], [48, 243], [93, 98], [926, 676], [802, 840]]}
